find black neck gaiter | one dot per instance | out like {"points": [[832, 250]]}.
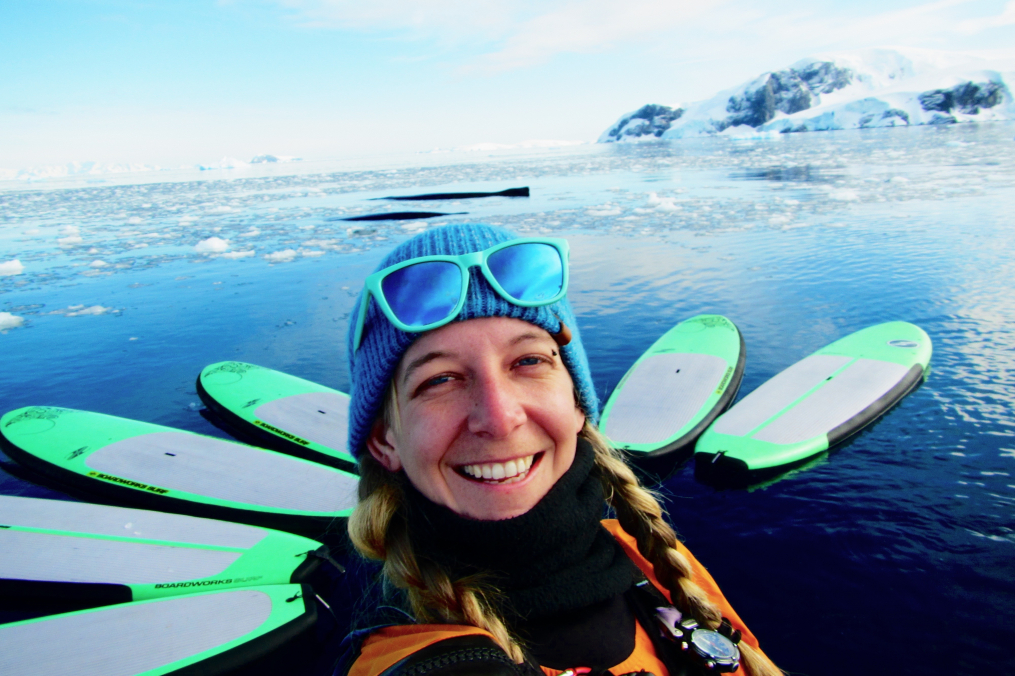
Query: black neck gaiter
{"points": [[555, 557]]}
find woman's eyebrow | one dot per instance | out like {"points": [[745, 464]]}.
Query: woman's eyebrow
{"points": [[526, 336], [420, 361]]}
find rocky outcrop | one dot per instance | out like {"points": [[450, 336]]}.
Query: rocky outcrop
{"points": [[852, 90], [649, 120], [968, 97], [788, 91]]}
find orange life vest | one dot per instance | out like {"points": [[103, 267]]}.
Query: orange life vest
{"points": [[390, 645]]}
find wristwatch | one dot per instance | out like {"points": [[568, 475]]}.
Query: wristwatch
{"points": [[716, 651]]}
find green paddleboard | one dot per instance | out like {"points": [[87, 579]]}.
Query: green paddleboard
{"points": [[814, 404], [676, 388], [279, 411], [97, 554], [140, 464], [207, 633]]}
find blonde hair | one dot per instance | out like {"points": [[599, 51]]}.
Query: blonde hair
{"points": [[378, 529]]}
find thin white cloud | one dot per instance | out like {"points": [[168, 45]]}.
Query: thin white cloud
{"points": [[513, 34], [1005, 18], [586, 26], [447, 20]]}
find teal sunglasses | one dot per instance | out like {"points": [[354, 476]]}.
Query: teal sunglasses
{"points": [[424, 293]]}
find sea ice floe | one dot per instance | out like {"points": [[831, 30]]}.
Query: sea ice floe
{"points": [[253, 232], [72, 240], [608, 211], [311, 254], [82, 311], [98, 264], [13, 267], [9, 321], [238, 254], [283, 256], [212, 245]]}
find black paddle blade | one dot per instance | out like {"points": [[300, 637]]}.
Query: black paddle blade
{"points": [[510, 192], [399, 216]]}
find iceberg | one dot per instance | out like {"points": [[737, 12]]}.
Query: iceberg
{"points": [[848, 90]]}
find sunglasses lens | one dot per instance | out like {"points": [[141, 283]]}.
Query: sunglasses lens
{"points": [[423, 293], [528, 272]]}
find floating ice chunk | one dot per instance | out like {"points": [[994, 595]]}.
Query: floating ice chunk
{"points": [[603, 212], [98, 264], [844, 195], [212, 245], [253, 232], [238, 254], [70, 230], [310, 254], [9, 321], [9, 268], [134, 220], [81, 311], [72, 240], [283, 256]]}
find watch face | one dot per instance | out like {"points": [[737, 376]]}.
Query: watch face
{"points": [[713, 645]]}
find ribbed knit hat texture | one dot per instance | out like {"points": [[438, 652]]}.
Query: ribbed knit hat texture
{"points": [[382, 345]]}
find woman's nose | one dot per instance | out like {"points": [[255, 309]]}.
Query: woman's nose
{"points": [[496, 409]]}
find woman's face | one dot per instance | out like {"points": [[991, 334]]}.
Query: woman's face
{"points": [[487, 421]]}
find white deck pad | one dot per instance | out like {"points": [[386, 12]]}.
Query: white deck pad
{"points": [[321, 417], [662, 395], [227, 471], [131, 638], [778, 393], [84, 517], [858, 386], [66, 558]]}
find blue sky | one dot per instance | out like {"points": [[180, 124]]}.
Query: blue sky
{"points": [[190, 81]]}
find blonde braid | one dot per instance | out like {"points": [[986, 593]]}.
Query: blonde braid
{"points": [[378, 529], [641, 515]]}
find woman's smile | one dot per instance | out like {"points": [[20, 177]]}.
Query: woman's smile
{"points": [[498, 473]]}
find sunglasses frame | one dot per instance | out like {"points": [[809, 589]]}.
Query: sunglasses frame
{"points": [[465, 262]]}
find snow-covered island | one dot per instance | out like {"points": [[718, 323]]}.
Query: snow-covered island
{"points": [[850, 90]]}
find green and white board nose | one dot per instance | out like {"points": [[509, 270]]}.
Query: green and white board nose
{"points": [[156, 467], [676, 388], [279, 411], [97, 554], [208, 633], [817, 402]]}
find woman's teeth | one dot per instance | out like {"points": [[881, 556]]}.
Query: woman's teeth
{"points": [[498, 471]]}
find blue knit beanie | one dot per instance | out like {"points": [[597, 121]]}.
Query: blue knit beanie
{"points": [[382, 345]]}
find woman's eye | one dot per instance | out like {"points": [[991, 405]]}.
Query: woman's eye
{"points": [[529, 361], [432, 382]]}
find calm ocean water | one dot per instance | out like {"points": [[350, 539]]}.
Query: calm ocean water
{"points": [[892, 554]]}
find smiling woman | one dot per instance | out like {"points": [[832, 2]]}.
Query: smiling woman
{"points": [[484, 482]]}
